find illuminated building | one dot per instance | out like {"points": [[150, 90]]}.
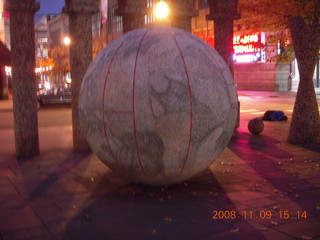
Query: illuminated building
{"points": [[41, 37], [4, 26], [5, 74], [254, 68], [124, 16]]}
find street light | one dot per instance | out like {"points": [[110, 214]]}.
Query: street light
{"points": [[162, 10], [66, 41]]}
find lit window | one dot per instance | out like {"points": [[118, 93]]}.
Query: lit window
{"points": [[115, 23]]}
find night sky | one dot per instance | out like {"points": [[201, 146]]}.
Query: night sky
{"points": [[50, 7]]}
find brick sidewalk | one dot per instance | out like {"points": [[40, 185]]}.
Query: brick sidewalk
{"points": [[272, 186]]}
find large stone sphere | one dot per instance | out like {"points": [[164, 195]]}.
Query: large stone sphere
{"points": [[158, 105]]}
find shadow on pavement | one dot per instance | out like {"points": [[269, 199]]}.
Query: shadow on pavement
{"points": [[64, 167], [265, 156], [181, 211]]}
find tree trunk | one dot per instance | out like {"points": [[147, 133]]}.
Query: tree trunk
{"points": [[223, 40], [305, 123], [80, 58], [224, 13], [132, 13], [23, 76], [80, 22]]}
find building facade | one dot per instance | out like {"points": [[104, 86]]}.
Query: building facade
{"points": [[43, 67], [4, 25], [255, 64], [58, 29], [316, 75], [5, 61], [124, 16], [113, 26], [59, 49], [58, 43], [41, 37], [253, 68], [5, 71]]}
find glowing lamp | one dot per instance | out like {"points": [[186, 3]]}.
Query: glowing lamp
{"points": [[66, 41], [162, 10]]}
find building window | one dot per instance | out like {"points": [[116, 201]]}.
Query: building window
{"points": [[149, 17], [96, 27], [115, 23], [149, 3]]}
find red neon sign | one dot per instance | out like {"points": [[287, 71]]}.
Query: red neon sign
{"points": [[4, 15], [247, 43]]}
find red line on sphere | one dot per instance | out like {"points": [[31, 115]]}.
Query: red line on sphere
{"points": [[103, 98], [190, 101], [133, 108]]}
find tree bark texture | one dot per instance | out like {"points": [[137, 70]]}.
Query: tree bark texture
{"points": [[223, 40], [132, 21], [132, 13], [80, 20], [224, 13], [305, 123], [23, 76]]}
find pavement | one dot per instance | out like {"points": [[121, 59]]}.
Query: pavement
{"points": [[261, 187]]}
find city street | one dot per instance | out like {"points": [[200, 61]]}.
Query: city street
{"points": [[260, 187], [54, 127], [49, 116], [55, 121]]}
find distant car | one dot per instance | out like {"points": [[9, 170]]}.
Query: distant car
{"points": [[58, 96]]}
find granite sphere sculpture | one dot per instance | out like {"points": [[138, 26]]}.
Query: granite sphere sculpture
{"points": [[256, 126], [158, 105]]}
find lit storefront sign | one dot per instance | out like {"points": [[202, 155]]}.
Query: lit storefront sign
{"points": [[4, 15], [248, 48]]}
